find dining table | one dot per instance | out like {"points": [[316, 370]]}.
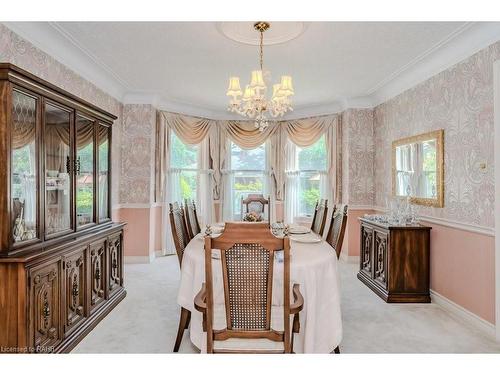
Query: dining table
{"points": [[313, 265]]}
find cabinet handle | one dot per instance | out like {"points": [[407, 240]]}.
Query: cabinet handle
{"points": [[77, 165], [46, 310], [68, 164]]}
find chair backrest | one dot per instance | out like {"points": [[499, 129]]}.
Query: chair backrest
{"points": [[319, 218], [255, 203], [192, 223], [247, 256], [179, 230], [335, 235]]}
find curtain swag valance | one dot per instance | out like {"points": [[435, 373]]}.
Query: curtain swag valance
{"points": [[303, 132]]}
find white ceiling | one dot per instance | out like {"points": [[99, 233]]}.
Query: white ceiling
{"points": [[184, 66]]}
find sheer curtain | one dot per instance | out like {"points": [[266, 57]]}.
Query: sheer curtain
{"points": [[204, 190], [292, 183], [228, 181], [170, 192]]}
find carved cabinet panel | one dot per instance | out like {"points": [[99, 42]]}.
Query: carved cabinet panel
{"points": [[74, 287], [97, 273], [115, 267], [366, 250], [380, 258], [44, 306]]}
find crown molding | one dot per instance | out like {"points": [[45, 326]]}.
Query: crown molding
{"points": [[464, 42], [63, 48], [141, 97], [458, 46]]}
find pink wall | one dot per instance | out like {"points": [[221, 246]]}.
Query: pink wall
{"points": [[350, 247], [463, 269], [141, 234], [157, 219]]}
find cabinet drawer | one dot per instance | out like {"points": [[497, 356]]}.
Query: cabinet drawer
{"points": [[44, 306]]}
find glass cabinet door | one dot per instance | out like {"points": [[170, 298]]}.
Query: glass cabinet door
{"points": [[84, 171], [57, 140], [24, 167], [104, 138]]}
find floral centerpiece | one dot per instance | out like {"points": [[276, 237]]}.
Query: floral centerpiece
{"points": [[253, 216]]}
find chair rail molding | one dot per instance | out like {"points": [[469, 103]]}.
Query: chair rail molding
{"points": [[487, 231]]}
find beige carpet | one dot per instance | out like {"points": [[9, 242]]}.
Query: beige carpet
{"points": [[146, 321]]}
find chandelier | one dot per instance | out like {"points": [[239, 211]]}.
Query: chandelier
{"points": [[253, 102]]}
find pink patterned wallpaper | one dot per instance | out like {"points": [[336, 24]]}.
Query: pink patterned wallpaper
{"points": [[460, 101], [22, 53], [357, 157], [138, 157]]}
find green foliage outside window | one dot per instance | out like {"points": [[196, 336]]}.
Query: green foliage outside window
{"points": [[84, 200], [252, 185], [309, 197]]}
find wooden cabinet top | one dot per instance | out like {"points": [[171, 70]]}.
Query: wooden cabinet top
{"points": [[388, 226], [17, 75]]}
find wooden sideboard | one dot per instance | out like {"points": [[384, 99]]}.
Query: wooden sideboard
{"points": [[52, 298], [61, 256], [394, 261]]}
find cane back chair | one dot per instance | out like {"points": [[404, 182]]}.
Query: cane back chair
{"points": [[319, 218], [181, 239], [243, 323], [192, 223], [335, 235]]}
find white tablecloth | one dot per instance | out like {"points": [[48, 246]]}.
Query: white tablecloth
{"points": [[312, 265]]}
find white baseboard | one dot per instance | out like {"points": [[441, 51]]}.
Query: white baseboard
{"points": [[463, 314], [138, 259]]}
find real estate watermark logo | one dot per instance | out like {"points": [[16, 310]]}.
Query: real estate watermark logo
{"points": [[26, 349]]}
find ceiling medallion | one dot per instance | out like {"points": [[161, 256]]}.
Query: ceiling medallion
{"points": [[253, 101]]}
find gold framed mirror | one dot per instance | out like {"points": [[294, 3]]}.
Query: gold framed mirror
{"points": [[418, 168]]}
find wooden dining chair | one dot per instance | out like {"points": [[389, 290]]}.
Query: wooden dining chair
{"points": [[319, 218], [256, 203], [192, 223], [180, 236], [247, 322], [335, 235]]}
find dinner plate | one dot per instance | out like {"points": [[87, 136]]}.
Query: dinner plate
{"points": [[305, 239], [299, 230]]}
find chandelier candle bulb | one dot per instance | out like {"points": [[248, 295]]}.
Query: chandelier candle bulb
{"points": [[254, 102]]}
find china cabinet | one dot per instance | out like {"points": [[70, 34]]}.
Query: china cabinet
{"points": [[61, 258], [394, 261]]}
